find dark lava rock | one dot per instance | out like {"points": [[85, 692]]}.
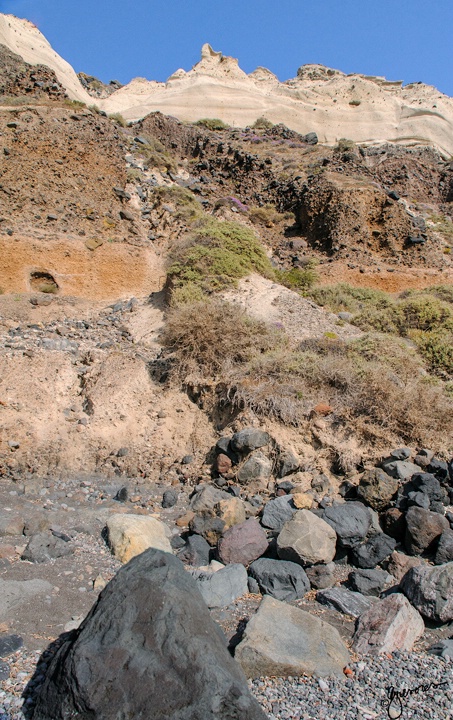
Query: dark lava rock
{"points": [[444, 552], [9, 644], [249, 439], [423, 530], [369, 582], [281, 579], [169, 498], [350, 520], [373, 552], [278, 511], [345, 601], [196, 551], [148, 648]]}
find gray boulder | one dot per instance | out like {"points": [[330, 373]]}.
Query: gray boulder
{"points": [[45, 546], [400, 469], [374, 551], [249, 439], [350, 520], [444, 552], [345, 601], [221, 588], [287, 463], [443, 649], [430, 590], [278, 511], [256, 467], [390, 624], [196, 551], [282, 640], [148, 648], [206, 497], [281, 579], [370, 582], [306, 539]]}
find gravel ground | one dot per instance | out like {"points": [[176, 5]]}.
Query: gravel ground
{"points": [[365, 694]]}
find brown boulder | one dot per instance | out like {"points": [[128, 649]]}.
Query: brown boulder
{"points": [[242, 543]]}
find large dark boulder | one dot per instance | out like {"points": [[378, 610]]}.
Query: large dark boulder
{"points": [[148, 648], [350, 520]]}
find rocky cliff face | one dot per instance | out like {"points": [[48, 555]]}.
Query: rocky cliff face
{"points": [[365, 109]]}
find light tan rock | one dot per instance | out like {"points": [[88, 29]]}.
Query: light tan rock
{"points": [[231, 511], [302, 501], [130, 535], [307, 539], [282, 640]]}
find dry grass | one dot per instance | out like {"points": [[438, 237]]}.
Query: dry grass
{"points": [[377, 385]]}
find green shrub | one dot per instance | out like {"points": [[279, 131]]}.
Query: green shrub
{"points": [[344, 297], [344, 144], [301, 279], [436, 347], [212, 124], [217, 255]]}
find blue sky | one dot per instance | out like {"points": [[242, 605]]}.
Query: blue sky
{"points": [[407, 40]]}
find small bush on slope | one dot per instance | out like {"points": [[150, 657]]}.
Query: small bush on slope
{"points": [[423, 316], [216, 255], [376, 384]]}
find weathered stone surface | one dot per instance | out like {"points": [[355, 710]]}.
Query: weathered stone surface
{"points": [[321, 576], [393, 523], [287, 463], [374, 551], [282, 640], [376, 488], [10, 524], [302, 501], [14, 593], [9, 644], [206, 497], [223, 464], [243, 543], [400, 469], [423, 530], [196, 551], [306, 539], [249, 439], [344, 600], [45, 546], [350, 520], [280, 579], [256, 467], [443, 649], [130, 535], [222, 587], [231, 511], [399, 564], [147, 648], [370, 582], [210, 528], [444, 552], [390, 624], [430, 590], [278, 511]]}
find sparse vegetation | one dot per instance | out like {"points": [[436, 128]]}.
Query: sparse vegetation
{"points": [[262, 123], [267, 215], [300, 279], [376, 384], [187, 207], [118, 119], [212, 124], [344, 144], [216, 255]]}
